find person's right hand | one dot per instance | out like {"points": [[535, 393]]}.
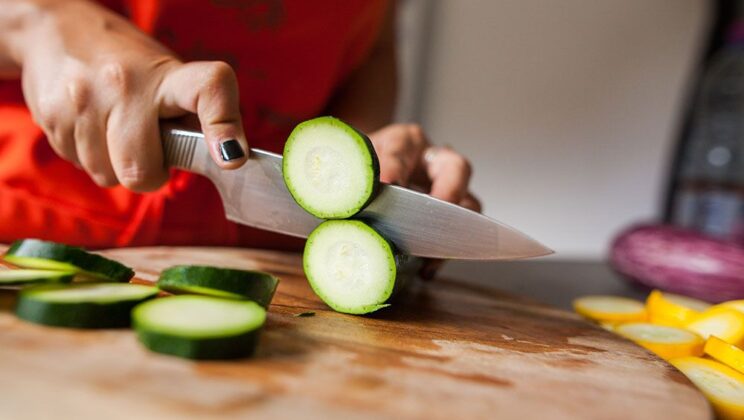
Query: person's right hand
{"points": [[98, 86]]}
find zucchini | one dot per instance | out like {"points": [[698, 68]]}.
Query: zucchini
{"points": [[92, 305], [45, 255], [199, 327], [219, 282], [351, 267], [330, 168], [16, 277]]}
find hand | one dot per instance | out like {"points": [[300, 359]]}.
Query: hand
{"points": [[98, 86], [408, 159]]}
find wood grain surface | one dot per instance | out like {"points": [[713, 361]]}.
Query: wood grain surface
{"points": [[443, 350]]}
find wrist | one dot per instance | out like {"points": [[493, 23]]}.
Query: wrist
{"points": [[22, 22]]}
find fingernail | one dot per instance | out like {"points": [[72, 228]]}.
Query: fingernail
{"points": [[231, 150]]}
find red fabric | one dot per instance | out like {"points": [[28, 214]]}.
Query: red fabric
{"points": [[289, 56]]}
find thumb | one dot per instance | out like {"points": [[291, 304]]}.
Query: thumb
{"points": [[208, 89]]}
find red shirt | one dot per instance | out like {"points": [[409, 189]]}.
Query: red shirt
{"points": [[289, 56]]}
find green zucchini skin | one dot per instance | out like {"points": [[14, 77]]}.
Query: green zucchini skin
{"points": [[75, 314], [257, 286], [177, 326], [35, 253], [24, 276], [362, 140], [236, 347]]}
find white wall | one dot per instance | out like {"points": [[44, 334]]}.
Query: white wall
{"points": [[566, 108]]}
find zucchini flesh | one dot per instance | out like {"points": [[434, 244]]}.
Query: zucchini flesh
{"points": [[330, 168], [351, 267], [199, 327], [92, 305], [21, 276], [220, 282], [45, 255]]}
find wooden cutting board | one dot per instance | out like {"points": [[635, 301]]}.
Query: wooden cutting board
{"points": [[445, 350]]}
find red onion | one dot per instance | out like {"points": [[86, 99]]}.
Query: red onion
{"points": [[680, 261]]}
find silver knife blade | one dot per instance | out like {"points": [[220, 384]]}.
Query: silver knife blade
{"points": [[418, 224]]}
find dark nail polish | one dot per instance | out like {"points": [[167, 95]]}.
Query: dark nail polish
{"points": [[231, 150]]}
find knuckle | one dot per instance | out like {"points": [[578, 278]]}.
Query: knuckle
{"points": [[116, 75], [133, 176], [219, 74], [78, 94], [416, 133], [103, 179], [47, 115]]}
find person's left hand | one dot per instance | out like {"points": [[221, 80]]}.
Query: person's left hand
{"points": [[408, 159]]}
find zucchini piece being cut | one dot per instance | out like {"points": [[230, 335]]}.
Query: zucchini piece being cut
{"points": [[16, 277], [45, 255], [199, 327], [351, 267], [330, 168], [91, 305], [219, 282]]}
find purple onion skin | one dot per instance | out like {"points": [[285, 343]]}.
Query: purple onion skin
{"points": [[680, 261]]}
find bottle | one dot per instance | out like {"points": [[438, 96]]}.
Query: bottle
{"points": [[710, 195]]}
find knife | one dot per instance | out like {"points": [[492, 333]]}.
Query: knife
{"points": [[418, 224]]}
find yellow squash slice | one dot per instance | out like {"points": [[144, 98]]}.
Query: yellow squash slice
{"points": [[673, 310], [667, 342], [723, 386], [726, 324], [725, 353], [613, 309], [733, 304]]}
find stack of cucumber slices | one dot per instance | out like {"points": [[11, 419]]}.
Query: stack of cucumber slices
{"points": [[66, 286], [331, 170]]}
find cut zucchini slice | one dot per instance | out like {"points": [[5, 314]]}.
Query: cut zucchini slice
{"points": [[667, 342], [673, 310], [21, 276], [351, 267], [199, 327], [330, 168], [219, 282], [723, 386], [726, 324], [615, 309], [92, 305], [45, 255], [725, 353]]}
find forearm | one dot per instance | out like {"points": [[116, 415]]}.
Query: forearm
{"points": [[16, 17], [367, 99]]}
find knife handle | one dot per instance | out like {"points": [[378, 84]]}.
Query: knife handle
{"points": [[184, 149]]}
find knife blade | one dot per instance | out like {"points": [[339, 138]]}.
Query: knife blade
{"points": [[418, 224]]}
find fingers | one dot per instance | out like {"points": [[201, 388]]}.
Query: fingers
{"points": [[210, 90], [449, 173], [135, 150], [92, 149], [399, 148], [471, 202]]}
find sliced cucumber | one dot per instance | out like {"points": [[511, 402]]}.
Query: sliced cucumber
{"points": [[93, 305], [21, 276], [45, 255], [219, 282], [351, 267], [199, 327], [330, 168]]}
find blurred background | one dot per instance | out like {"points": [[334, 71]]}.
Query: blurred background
{"points": [[569, 110]]}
